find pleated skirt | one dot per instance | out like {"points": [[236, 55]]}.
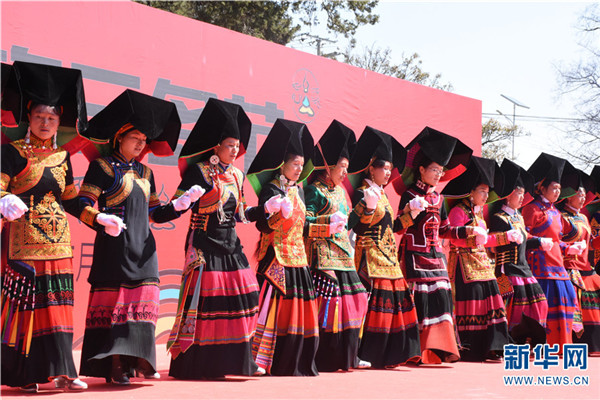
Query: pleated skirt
{"points": [[562, 306], [214, 338], [589, 302], [480, 318], [528, 298], [433, 302], [287, 333], [342, 304], [391, 331], [121, 321], [37, 325]]}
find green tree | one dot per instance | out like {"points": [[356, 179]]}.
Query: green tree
{"points": [[582, 80], [275, 20], [410, 68]]}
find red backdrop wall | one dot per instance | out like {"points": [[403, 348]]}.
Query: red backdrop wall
{"points": [[120, 45]]}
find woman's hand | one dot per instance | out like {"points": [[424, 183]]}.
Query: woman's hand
{"points": [[182, 203], [286, 207], [576, 248], [514, 235], [338, 216], [273, 205], [480, 235], [371, 197], [546, 244], [195, 192], [113, 225], [12, 207]]}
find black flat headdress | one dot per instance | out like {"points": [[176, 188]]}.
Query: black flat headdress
{"points": [[594, 205], [338, 141], [549, 168], [11, 103], [375, 144], [285, 137], [438, 147], [30, 83], [587, 183], [479, 171], [156, 118], [219, 120], [595, 175], [516, 176]]}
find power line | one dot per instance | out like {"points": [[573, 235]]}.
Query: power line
{"points": [[539, 118]]}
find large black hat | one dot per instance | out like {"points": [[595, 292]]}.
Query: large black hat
{"points": [[45, 84], [156, 118], [375, 144], [219, 120], [438, 147], [338, 141], [479, 171], [285, 137], [515, 176], [595, 175], [587, 183], [11, 103], [549, 168]]}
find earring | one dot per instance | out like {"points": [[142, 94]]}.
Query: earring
{"points": [[54, 141], [28, 135]]}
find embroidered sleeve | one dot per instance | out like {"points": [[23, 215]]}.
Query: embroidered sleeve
{"points": [[96, 178], [318, 230]]}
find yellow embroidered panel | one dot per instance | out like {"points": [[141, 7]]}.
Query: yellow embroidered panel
{"points": [[37, 163], [43, 233], [69, 193], [475, 264], [4, 181], [288, 236], [106, 167], [130, 178]]}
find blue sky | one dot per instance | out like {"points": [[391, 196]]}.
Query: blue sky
{"points": [[485, 49]]}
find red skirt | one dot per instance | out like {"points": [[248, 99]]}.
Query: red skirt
{"points": [[37, 330]]}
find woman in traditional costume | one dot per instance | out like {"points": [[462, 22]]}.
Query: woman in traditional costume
{"points": [[37, 188], [542, 219], [577, 236], [287, 334], [524, 296], [478, 306], [390, 332], [218, 298], [119, 339], [341, 297], [422, 221]]}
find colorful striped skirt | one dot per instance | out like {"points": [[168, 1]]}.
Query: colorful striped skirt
{"points": [[433, 301], [342, 303], [121, 321], [287, 334], [391, 331], [480, 319], [528, 298], [216, 319], [37, 321], [562, 305], [589, 302]]}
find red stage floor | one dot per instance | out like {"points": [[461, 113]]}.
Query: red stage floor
{"points": [[460, 380]]}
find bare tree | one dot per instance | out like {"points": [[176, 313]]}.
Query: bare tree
{"points": [[496, 139], [582, 79], [379, 60]]}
